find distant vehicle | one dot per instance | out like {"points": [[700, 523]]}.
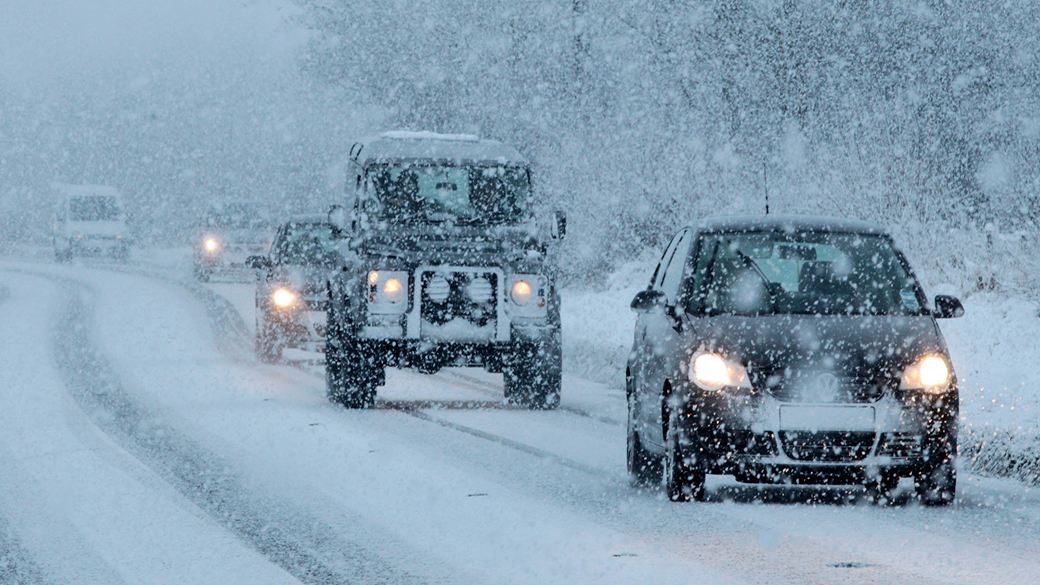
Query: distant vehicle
{"points": [[443, 264], [230, 232], [90, 221], [791, 350], [291, 291]]}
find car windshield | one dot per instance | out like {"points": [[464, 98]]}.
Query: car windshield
{"points": [[239, 216], [97, 208], [478, 194], [305, 243], [803, 273]]}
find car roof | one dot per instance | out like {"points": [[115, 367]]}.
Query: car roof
{"points": [[786, 223], [429, 146], [70, 191]]}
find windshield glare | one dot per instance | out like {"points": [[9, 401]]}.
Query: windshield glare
{"points": [[810, 273], [468, 193]]}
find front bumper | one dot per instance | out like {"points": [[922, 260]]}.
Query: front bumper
{"points": [[749, 436]]}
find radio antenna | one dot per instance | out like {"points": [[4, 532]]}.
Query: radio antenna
{"points": [[765, 184]]}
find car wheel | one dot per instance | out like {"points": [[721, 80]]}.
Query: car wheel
{"points": [[938, 486], [683, 475], [644, 467], [350, 378], [534, 376]]}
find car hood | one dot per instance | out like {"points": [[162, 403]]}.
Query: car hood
{"points": [[307, 279], [847, 345]]}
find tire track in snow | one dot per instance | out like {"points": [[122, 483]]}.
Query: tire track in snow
{"points": [[304, 546]]}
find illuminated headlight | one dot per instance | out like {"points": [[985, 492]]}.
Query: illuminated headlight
{"points": [[520, 292], [393, 290], [932, 373], [283, 298], [713, 372], [387, 291], [211, 245]]}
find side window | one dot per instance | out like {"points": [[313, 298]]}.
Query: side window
{"points": [[673, 274]]}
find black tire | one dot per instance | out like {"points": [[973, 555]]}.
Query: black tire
{"points": [[937, 486], [534, 375], [268, 342], [683, 474], [62, 256], [202, 273], [644, 468], [351, 377]]}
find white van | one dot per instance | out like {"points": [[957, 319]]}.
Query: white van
{"points": [[90, 221]]}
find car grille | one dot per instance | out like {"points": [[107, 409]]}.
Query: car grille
{"points": [[472, 296], [822, 387], [828, 446], [900, 445]]}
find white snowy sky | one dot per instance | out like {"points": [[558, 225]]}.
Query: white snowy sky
{"points": [[72, 41]]}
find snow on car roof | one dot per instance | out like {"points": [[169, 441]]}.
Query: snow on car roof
{"points": [[804, 223], [394, 146]]}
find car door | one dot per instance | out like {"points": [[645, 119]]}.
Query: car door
{"points": [[660, 337]]}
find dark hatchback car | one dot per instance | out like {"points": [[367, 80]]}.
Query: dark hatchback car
{"points": [[291, 289], [791, 350]]}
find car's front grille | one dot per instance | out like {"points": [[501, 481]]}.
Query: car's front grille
{"points": [[470, 295], [828, 446], [900, 445], [823, 387]]}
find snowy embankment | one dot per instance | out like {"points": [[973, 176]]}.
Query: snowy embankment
{"points": [[995, 349]]}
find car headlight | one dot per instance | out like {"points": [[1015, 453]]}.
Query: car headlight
{"points": [[931, 373], [387, 291], [211, 245], [520, 292], [283, 298], [711, 371]]}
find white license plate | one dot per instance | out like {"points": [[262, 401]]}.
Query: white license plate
{"points": [[826, 418]]}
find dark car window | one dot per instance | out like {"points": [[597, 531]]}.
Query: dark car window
{"points": [[304, 243], [803, 273], [484, 194]]}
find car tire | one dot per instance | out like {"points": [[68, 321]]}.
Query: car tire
{"points": [[683, 474], [63, 256], [268, 345], [937, 486], [350, 378], [534, 376], [201, 272], [644, 468]]}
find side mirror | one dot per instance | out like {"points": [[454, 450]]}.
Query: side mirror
{"points": [[338, 218], [947, 307], [259, 262], [558, 229], [648, 301]]}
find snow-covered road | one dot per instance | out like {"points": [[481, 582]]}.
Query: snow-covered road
{"points": [[141, 442]]}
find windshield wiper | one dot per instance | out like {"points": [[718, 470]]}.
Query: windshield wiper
{"points": [[750, 263]]}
